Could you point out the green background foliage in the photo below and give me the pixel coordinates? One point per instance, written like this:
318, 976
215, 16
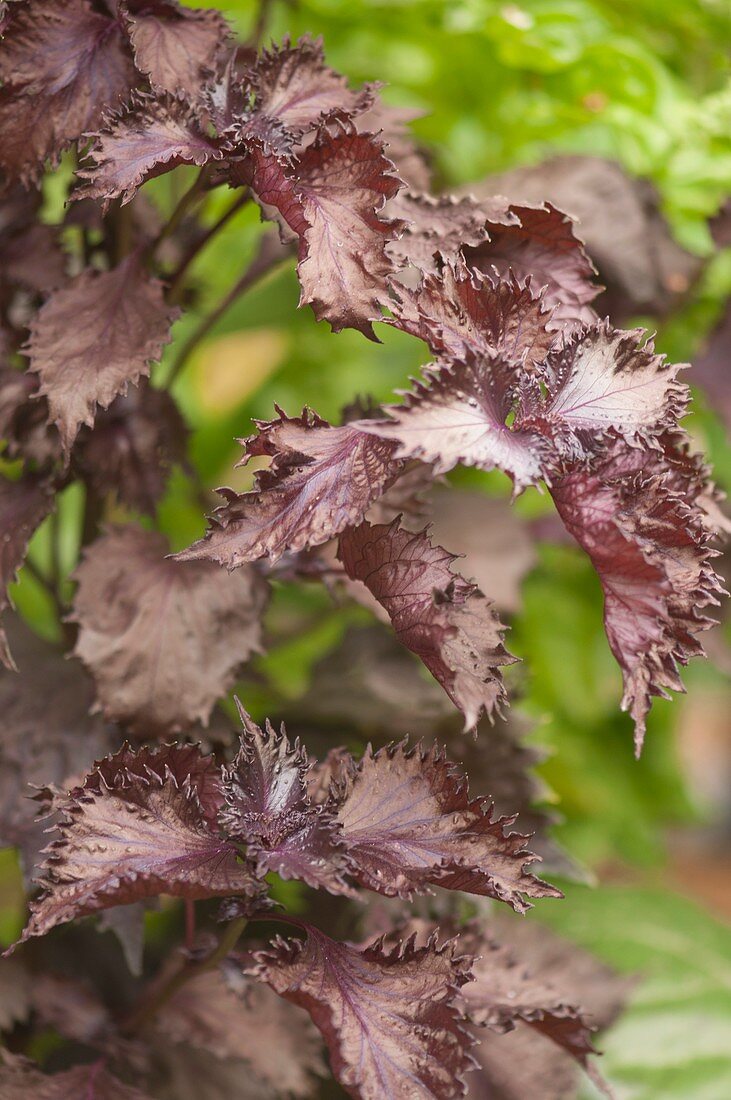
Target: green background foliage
500, 84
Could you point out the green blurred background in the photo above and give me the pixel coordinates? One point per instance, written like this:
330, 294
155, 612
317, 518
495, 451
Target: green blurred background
646, 82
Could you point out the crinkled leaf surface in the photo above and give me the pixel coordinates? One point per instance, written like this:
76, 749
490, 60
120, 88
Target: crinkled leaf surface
47, 737
440, 227
407, 820
331, 199
447, 622
174, 45
603, 379
95, 337
149, 137
162, 639
244, 1021
636, 515
321, 480
293, 89
129, 833
132, 446
386, 1016
62, 66
267, 807
458, 310
544, 246
459, 413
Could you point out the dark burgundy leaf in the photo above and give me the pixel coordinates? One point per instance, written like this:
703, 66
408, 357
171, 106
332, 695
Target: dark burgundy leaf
62, 66
407, 821
620, 220
386, 1016
637, 515
293, 90
459, 413
130, 833
391, 124
441, 227
181, 763
448, 623
605, 379
162, 639
495, 542
20, 1080
459, 311
132, 446
267, 807
321, 480
540, 989
175, 46
150, 137
247, 1023
331, 199
48, 736
94, 338
24, 504
542, 245
30, 253
23, 421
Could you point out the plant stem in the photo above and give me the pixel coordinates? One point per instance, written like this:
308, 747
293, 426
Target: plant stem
177, 279
270, 254
185, 202
149, 1009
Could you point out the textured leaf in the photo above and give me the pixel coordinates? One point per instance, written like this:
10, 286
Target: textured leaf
267, 807
321, 480
93, 338
442, 226
30, 252
496, 544
148, 138
636, 514
448, 623
605, 379
62, 65
48, 736
370, 687
162, 639
130, 833
293, 89
391, 123
176, 47
504, 992
132, 446
407, 821
645, 270
459, 311
459, 413
542, 245
24, 504
386, 1016
20, 1080
265, 1035
331, 199
543, 996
